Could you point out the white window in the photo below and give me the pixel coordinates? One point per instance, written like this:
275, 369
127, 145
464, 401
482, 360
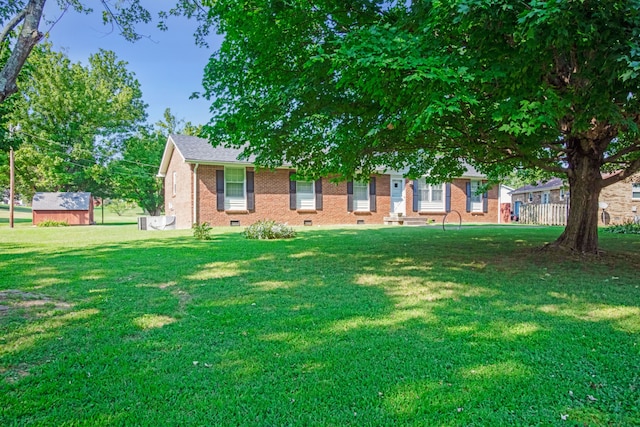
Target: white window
361, 196
545, 198
476, 197
530, 197
305, 195
430, 197
635, 191
562, 193
234, 185
174, 183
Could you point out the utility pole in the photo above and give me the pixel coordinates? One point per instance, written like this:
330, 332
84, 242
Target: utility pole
12, 175
11, 186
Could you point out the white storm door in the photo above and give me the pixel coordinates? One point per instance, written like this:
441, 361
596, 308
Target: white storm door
398, 203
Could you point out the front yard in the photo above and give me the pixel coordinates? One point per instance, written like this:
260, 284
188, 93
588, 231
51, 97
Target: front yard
371, 326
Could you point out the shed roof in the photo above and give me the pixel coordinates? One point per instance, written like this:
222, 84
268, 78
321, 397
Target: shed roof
61, 202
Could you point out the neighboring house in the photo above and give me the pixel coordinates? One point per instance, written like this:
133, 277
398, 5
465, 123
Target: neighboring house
553, 191
72, 208
619, 202
207, 184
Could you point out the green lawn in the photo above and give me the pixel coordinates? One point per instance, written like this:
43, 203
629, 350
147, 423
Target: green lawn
22, 216
361, 326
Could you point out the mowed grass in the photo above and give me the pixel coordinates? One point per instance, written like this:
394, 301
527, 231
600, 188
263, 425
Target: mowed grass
22, 216
108, 325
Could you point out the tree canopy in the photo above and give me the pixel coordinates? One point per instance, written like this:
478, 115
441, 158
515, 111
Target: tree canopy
132, 174
71, 117
346, 87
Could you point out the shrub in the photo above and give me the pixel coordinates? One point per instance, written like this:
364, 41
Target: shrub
119, 206
52, 223
202, 231
628, 227
268, 229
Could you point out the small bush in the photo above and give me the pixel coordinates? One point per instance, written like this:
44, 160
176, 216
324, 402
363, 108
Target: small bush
268, 229
202, 231
629, 227
52, 223
119, 206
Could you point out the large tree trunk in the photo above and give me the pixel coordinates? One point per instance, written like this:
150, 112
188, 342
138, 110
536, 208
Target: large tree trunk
585, 182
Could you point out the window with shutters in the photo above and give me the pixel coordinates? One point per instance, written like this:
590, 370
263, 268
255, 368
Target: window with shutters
361, 196
234, 189
305, 195
430, 197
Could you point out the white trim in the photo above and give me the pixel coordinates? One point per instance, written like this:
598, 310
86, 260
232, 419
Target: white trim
195, 194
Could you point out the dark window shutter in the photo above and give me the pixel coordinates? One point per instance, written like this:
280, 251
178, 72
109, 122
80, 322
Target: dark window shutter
468, 196
447, 200
372, 194
350, 196
416, 195
319, 194
485, 202
292, 191
220, 190
251, 194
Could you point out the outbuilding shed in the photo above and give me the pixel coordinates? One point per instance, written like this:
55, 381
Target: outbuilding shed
72, 208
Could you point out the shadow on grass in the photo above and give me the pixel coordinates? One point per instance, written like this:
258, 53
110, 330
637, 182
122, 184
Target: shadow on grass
386, 326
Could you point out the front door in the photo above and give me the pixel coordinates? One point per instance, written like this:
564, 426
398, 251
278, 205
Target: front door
398, 205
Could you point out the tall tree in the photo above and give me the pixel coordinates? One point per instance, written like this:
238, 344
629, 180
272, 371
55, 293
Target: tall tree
343, 87
133, 172
70, 116
25, 18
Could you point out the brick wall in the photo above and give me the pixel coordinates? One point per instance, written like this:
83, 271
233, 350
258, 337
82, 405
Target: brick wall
555, 196
459, 204
272, 200
620, 203
179, 204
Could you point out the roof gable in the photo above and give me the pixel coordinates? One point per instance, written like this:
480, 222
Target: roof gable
61, 201
199, 150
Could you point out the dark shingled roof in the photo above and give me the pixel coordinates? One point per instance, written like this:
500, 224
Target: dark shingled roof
553, 183
195, 149
61, 201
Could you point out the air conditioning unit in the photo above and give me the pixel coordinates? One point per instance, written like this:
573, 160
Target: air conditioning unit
167, 222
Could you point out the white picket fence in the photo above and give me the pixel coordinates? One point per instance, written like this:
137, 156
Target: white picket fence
549, 214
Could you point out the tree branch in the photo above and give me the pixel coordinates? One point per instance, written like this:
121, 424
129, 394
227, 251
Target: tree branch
29, 37
631, 169
12, 24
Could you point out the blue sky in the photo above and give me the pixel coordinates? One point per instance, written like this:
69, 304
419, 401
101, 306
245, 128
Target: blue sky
168, 64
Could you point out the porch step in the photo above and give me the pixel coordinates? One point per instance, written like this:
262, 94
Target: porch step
405, 220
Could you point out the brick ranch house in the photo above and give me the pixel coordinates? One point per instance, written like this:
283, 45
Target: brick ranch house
207, 184
619, 202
